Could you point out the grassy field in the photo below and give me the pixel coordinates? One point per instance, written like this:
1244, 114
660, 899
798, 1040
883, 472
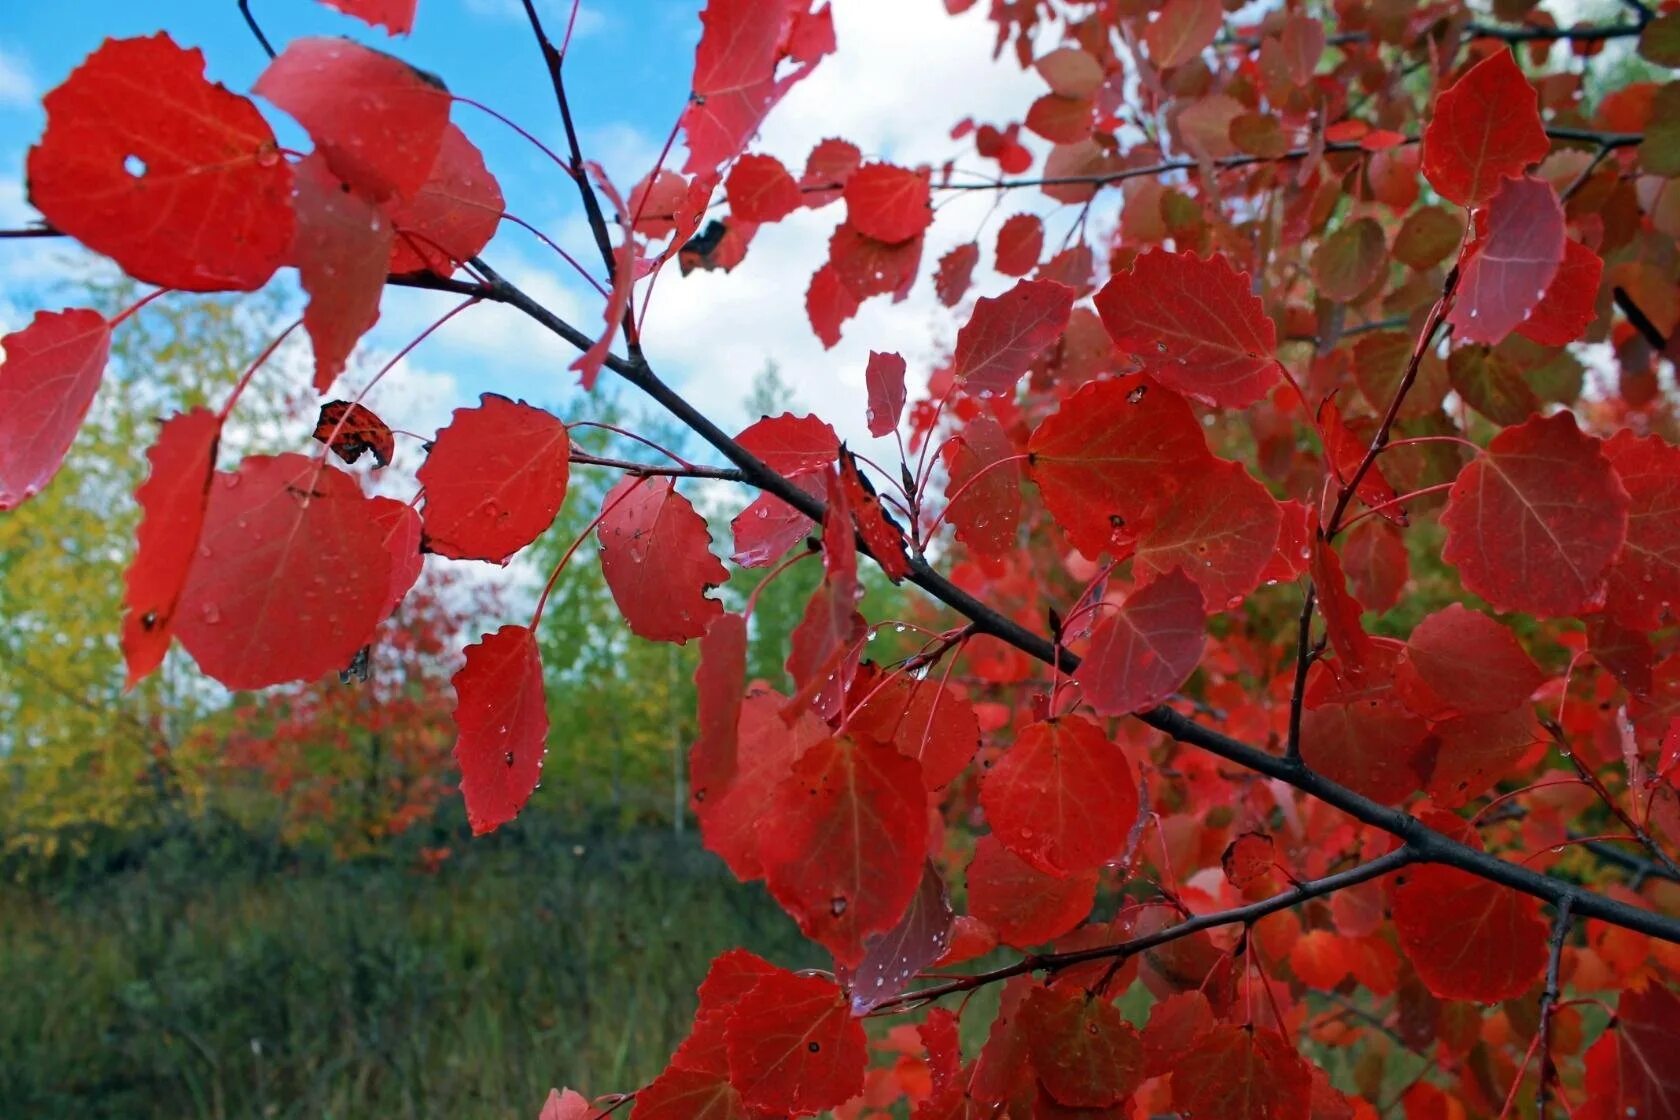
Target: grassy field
365, 989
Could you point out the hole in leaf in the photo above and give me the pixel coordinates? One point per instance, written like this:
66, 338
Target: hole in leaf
134, 165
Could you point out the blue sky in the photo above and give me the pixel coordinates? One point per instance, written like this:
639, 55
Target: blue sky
904, 74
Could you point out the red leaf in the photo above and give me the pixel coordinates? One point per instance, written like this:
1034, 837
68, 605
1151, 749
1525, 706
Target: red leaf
351, 429
569, 1105
377, 121
868, 267
501, 723
342, 251
1645, 578
1341, 611
1005, 333
495, 479
172, 501
791, 445
291, 578
985, 491
1184, 29
1571, 303
1085, 1054
1474, 753
1632, 1069
1176, 1024
656, 556
1511, 266
1371, 745
894, 958
1472, 663
454, 214
396, 16
768, 527
613, 312
1535, 521
924, 719
1222, 528
1194, 324
828, 304
1486, 129
1248, 860
845, 840
52, 370
1142, 653
1063, 797
761, 190
742, 43
884, 379
887, 203
1113, 450
718, 681
766, 750
403, 533
830, 164
1026, 906
177, 180
955, 272
884, 539
1019, 243
1242, 1073
1468, 938
794, 1046
688, 1094
1346, 452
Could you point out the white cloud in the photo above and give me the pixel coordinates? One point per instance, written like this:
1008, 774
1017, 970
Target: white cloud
905, 73
17, 84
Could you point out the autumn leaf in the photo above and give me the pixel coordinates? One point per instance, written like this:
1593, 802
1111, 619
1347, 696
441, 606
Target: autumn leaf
1007, 332
1062, 797
495, 478
1534, 523
377, 122
173, 498
1486, 128
203, 209
292, 574
1141, 653
656, 555
52, 369
1194, 325
501, 723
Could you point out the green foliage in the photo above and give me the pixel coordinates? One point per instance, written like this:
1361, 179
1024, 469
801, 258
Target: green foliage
189, 989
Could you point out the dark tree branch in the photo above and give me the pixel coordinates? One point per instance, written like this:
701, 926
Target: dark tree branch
1303, 662
553, 60
1610, 140
648, 470
1640, 833
1591, 33
1425, 843
256, 29
1253, 912
1641, 322
1548, 1003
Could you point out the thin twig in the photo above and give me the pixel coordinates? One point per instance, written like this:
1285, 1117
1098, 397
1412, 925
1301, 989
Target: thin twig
1548, 1003
648, 470
256, 30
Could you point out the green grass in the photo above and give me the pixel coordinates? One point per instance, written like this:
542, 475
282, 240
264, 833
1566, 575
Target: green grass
366, 989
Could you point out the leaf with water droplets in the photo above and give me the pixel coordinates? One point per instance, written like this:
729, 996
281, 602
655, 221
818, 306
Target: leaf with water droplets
892, 959
175, 178
1195, 325
292, 574
173, 500
377, 121
657, 559
1141, 653
794, 1045
341, 251
501, 721
1062, 797
48, 380
495, 478
844, 842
